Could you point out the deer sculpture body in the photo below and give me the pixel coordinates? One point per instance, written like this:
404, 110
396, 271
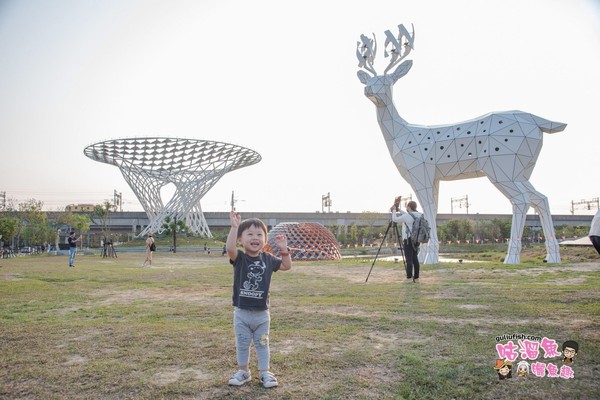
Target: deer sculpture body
502, 146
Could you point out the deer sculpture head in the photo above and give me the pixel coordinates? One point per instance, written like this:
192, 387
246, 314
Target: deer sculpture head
502, 146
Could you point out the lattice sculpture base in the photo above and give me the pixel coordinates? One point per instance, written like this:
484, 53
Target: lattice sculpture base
307, 241
193, 166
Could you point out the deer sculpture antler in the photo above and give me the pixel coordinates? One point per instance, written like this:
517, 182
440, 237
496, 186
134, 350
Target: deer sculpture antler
366, 50
399, 48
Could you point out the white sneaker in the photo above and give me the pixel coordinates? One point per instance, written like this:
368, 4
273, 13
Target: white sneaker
268, 380
240, 377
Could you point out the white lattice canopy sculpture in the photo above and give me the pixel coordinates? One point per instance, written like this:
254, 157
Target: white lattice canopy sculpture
502, 146
192, 166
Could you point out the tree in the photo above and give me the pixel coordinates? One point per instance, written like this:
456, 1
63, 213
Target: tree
504, 225
37, 233
8, 228
63, 218
339, 233
31, 211
367, 222
81, 223
102, 212
568, 231
31, 221
172, 226
488, 230
353, 234
457, 229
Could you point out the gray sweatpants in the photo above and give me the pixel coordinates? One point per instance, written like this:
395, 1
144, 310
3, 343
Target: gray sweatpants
252, 326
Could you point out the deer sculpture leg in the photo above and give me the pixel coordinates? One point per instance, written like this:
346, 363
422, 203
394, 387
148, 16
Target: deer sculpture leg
540, 203
428, 201
519, 198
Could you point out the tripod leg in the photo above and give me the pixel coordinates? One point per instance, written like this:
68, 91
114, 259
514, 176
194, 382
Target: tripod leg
378, 250
401, 245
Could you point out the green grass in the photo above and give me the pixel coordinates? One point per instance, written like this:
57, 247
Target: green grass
108, 329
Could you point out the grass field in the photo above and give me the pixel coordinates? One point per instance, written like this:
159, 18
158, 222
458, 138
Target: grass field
108, 329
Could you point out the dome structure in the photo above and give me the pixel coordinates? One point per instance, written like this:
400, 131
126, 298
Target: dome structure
192, 166
308, 241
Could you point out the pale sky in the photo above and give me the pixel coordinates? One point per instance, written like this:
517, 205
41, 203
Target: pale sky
279, 77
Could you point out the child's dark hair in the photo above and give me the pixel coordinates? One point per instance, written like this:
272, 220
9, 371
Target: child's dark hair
247, 223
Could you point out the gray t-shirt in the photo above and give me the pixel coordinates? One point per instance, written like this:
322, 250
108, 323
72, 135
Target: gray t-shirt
252, 280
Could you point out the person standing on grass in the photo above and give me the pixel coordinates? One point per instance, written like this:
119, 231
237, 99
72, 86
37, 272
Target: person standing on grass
252, 270
411, 250
72, 240
595, 231
150, 247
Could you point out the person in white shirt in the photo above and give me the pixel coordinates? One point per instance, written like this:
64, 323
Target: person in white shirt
410, 251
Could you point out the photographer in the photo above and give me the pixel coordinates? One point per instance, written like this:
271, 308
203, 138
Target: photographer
72, 240
410, 251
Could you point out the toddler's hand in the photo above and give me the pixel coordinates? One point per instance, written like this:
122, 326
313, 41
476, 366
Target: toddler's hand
281, 242
235, 219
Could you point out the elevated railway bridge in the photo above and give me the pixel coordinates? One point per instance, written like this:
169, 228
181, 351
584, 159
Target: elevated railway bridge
134, 222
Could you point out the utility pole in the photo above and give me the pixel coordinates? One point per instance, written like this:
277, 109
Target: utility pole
234, 201
118, 200
595, 202
326, 202
460, 201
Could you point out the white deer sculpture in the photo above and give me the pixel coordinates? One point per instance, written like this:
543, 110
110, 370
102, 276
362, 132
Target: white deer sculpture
502, 146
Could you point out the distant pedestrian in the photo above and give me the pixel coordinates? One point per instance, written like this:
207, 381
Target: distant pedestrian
150, 247
72, 240
595, 231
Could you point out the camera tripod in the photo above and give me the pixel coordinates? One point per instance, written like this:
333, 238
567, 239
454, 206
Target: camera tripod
394, 225
108, 250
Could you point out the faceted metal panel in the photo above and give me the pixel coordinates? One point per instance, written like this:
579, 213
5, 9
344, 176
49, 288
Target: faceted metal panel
502, 146
192, 166
307, 241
